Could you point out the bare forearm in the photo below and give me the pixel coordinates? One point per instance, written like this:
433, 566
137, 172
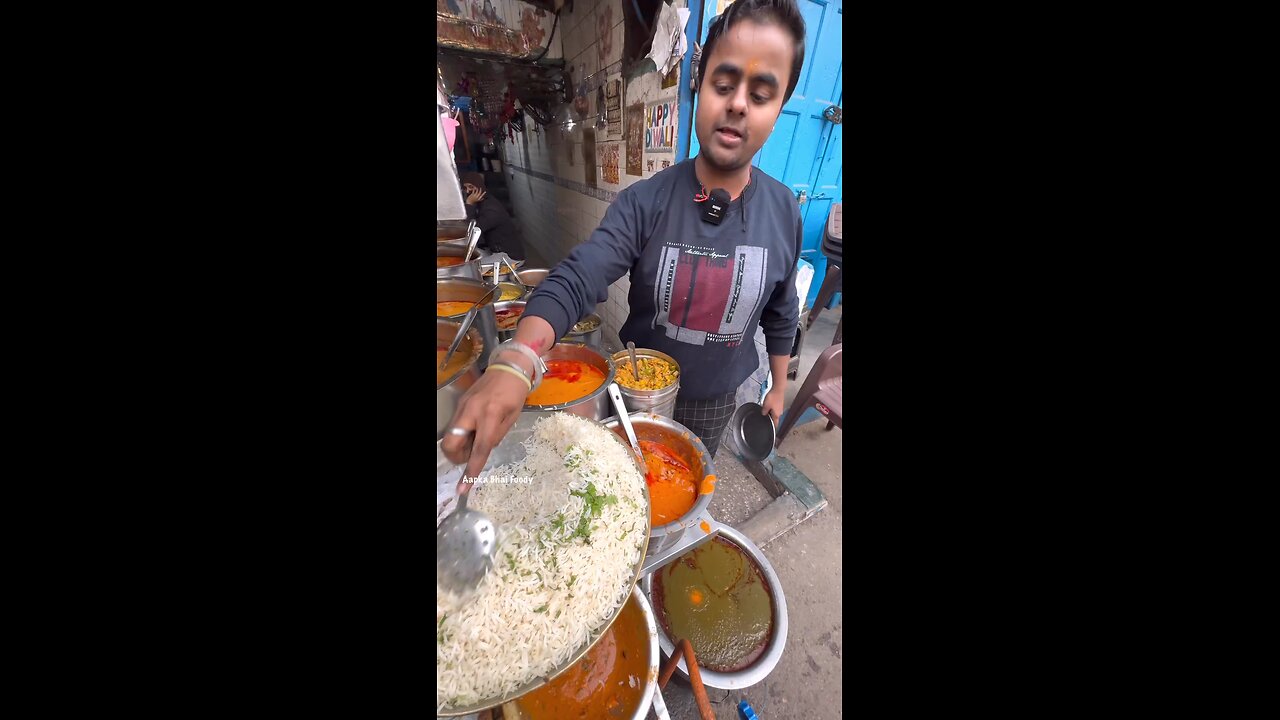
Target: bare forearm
778, 367
537, 334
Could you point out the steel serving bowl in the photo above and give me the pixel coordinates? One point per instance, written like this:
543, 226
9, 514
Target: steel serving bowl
590, 336
532, 276
510, 450
659, 402
451, 390
469, 290
504, 273
504, 335
469, 270
760, 669
594, 405
689, 447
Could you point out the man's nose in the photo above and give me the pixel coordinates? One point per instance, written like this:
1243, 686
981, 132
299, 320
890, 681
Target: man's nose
738, 101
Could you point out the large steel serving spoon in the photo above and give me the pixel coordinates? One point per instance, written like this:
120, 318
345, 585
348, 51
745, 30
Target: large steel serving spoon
466, 543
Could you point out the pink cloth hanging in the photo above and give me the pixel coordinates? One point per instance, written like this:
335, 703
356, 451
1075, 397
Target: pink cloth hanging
450, 130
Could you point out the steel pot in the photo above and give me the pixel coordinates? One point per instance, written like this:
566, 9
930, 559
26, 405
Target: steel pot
596, 404
689, 448
659, 402
458, 288
504, 273
505, 335
452, 232
763, 665
590, 336
514, 711
449, 390
532, 276
469, 270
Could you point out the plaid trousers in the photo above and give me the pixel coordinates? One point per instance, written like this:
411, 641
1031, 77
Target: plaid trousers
706, 418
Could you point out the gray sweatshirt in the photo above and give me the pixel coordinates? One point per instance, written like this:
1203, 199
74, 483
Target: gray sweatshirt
698, 290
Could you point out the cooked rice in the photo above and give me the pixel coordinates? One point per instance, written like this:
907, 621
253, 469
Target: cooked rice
550, 591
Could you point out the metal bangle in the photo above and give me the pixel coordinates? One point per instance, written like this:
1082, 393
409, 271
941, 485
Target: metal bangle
539, 367
513, 369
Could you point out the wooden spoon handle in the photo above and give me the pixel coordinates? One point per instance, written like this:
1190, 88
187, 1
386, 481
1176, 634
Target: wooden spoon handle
685, 649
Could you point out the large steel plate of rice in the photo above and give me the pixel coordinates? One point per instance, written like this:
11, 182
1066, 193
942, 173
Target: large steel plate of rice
572, 511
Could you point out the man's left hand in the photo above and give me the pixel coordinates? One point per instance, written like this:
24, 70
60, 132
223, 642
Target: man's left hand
773, 403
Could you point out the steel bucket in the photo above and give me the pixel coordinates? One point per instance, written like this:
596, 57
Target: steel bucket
659, 402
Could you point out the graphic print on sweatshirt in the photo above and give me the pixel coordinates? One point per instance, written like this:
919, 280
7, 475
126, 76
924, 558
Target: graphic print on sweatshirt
703, 296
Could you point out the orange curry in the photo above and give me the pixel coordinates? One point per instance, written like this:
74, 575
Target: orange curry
455, 363
448, 261
449, 308
601, 684
566, 381
672, 488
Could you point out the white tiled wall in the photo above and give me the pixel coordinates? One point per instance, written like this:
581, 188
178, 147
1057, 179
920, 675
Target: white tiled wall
556, 219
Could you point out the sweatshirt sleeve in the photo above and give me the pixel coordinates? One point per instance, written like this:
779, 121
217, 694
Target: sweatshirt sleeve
581, 281
782, 312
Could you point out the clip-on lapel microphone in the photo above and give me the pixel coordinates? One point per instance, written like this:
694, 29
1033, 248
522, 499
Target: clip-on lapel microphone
717, 204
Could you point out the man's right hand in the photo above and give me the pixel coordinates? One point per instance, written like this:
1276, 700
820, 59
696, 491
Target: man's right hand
489, 409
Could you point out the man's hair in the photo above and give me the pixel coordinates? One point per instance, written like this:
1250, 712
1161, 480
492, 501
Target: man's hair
473, 178
765, 12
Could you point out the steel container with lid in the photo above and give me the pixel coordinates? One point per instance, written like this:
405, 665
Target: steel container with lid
659, 402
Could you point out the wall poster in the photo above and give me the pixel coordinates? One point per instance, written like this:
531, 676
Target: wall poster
609, 161
613, 107
635, 138
660, 127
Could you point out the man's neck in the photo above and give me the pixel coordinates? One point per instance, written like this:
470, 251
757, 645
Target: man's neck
733, 182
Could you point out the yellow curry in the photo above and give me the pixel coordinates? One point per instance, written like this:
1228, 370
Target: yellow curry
655, 374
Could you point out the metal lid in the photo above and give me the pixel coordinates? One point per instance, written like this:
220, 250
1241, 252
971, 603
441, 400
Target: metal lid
753, 431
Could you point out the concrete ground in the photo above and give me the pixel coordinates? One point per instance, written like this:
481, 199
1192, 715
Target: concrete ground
809, 562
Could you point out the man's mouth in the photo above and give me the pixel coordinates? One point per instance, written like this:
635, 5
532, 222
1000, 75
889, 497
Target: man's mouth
729, 136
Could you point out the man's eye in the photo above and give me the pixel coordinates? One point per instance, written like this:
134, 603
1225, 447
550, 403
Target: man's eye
759, 98
722, 89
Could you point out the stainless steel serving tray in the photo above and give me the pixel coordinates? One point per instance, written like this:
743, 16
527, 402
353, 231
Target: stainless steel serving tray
510, 450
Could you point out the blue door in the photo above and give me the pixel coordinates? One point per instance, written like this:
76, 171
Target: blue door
804, 150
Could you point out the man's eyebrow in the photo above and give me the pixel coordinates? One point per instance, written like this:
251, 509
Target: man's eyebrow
727, 69
736, 73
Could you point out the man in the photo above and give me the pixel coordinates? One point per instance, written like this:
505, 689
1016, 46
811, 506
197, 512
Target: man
498, 230
699, 287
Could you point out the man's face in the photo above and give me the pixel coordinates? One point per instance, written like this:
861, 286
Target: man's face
741, 96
